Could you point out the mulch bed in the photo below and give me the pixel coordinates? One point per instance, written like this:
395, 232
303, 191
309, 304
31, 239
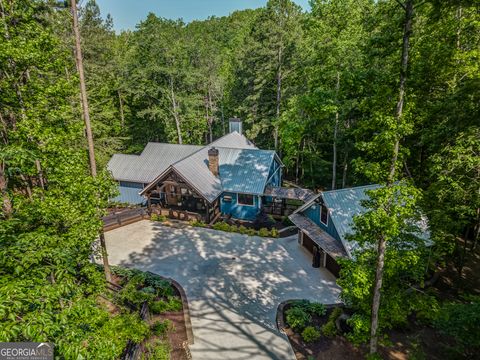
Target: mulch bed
177, 337
403, 344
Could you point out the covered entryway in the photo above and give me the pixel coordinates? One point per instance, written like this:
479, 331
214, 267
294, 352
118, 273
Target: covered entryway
174, 197
323, 247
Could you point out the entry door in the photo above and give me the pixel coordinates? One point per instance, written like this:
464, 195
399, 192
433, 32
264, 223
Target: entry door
171, 193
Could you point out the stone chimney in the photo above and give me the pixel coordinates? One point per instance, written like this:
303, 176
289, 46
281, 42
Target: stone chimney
235, 124
213, 160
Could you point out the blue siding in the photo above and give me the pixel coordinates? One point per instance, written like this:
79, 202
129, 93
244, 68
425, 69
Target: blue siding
276, 179
129, 193
242, 212
313, 213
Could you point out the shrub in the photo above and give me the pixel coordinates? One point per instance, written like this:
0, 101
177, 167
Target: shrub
162, 306
156, 217
275, 233
264, 232
198, 223
462, 323
158, 307
242, 230
130, 294
160, 328
162, 287
223, 226
361, 329
159, 350
297, 318
310, 334
174, 304
251, 232
317, 309
330, 328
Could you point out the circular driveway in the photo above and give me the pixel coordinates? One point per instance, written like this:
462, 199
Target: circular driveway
233, 283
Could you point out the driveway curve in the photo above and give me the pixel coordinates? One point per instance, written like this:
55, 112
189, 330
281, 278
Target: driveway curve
233, 283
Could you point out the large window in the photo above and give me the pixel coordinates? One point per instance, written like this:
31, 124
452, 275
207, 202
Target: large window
245, 199
324, 215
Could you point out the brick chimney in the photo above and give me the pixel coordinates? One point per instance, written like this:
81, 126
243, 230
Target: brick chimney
213, 160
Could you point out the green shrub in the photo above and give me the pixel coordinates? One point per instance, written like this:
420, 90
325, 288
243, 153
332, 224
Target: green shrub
317, 309
160, 218
174, 304
251, 232
297, 318
461, 322
361, 329
130, 294
264, 232
158, 307
310, 334
274, 233
162, 306
222, 226
160, 327
159, 350
330, 328
242, 230
198, 223
162, 287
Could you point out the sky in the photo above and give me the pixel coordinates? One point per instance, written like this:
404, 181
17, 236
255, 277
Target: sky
127, 13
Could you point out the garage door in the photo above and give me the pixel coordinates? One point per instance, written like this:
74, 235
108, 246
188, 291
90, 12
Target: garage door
332, 266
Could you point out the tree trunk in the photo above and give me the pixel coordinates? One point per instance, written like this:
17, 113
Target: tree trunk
175, 112
345, 170
408, 7
6, 202
279, 97
122, 115
335, 133
88, 128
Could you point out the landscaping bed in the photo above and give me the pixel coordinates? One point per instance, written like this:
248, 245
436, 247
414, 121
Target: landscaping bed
313, 334
160, 306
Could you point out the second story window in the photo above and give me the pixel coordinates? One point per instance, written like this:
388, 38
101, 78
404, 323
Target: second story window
324, 215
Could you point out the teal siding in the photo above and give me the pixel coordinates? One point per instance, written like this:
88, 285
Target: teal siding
313, 213
242, 212
129, 193
276, 179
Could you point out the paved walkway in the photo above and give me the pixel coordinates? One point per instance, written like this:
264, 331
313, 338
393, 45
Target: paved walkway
233, 282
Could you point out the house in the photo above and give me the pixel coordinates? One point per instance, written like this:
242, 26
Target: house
325, 220
230, 176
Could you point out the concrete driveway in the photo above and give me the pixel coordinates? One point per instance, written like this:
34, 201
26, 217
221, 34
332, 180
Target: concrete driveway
233, 282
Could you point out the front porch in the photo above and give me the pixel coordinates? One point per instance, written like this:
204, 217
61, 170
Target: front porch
176, 199
281, 201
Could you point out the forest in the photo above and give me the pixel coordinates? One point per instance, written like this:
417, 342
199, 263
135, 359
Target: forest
351, 92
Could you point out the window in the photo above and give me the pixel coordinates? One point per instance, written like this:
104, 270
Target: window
227, 198
324, 215
245, 199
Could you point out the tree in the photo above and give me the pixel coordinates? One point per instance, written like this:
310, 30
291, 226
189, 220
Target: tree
88, 128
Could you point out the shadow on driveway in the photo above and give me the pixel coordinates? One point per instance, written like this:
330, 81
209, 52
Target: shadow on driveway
233, 282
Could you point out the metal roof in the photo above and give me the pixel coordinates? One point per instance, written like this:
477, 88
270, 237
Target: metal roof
153, 160
240, 171
243, 168
327, 242
233, 140
343, 205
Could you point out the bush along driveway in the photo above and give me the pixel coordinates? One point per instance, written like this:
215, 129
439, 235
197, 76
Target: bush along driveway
233, 282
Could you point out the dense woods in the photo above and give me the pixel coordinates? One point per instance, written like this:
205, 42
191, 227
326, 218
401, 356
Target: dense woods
351, 92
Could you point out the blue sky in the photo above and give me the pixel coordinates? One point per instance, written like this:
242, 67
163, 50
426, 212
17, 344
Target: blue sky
127, 13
